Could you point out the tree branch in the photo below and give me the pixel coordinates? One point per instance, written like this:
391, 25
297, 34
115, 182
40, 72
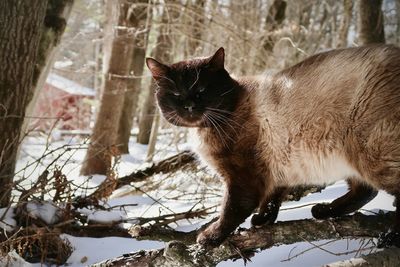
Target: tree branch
177, 253
167, 165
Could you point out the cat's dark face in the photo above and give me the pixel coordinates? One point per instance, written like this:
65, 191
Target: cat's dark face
194, 93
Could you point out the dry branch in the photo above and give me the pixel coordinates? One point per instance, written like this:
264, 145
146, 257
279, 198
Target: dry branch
176, 253
95, 230
167, 165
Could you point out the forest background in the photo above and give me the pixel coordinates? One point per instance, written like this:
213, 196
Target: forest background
85, 153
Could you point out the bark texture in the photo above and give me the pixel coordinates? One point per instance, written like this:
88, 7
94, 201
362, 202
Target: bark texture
153, 136
242, 243
142, 14
370, 22
58, 11
197, 27
103, 143
397, 3
161, 52
20, 34
345, 23
275, 17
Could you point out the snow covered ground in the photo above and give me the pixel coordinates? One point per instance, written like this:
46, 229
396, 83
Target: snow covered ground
171, 195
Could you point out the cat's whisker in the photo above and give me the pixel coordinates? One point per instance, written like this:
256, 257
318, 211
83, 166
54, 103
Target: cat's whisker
222, 120
220, 127
227, 92
176, 119
172, 116
215, 126
197, 78
237, 120
226, 118
207, 123
219, 110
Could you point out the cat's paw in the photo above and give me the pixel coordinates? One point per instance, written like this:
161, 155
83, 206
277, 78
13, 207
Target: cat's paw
389, 239
268, 216
212, 236
263, 218
322, 211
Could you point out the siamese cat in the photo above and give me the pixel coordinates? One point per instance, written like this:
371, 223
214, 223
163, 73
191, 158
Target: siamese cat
333, 116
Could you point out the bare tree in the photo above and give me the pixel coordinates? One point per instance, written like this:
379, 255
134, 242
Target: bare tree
193, 44
41, 22
397, 2
345, 23
370, 22
55, 22
162, 51
275, 17
103, 140
141, 24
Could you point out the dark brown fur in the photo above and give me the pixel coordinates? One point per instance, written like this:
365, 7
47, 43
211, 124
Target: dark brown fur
333, 116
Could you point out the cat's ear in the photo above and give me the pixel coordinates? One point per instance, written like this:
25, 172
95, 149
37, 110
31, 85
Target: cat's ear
156, 68
217, 60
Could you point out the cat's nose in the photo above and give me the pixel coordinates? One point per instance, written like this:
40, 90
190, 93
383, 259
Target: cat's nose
189, 106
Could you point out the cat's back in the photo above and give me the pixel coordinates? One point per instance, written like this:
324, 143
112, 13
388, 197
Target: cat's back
337, 61
340, 83
341, 104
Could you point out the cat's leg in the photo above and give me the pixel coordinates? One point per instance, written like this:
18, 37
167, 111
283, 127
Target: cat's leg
269, 208
239, 202
359, 194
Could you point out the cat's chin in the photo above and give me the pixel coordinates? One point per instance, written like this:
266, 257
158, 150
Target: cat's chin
192, 124
188, 123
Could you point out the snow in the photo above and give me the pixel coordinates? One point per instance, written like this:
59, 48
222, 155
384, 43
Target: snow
169, 195
69, 86
304, 254
102, 216
13, 259
310, 253
91, 250
7, 221
48, 212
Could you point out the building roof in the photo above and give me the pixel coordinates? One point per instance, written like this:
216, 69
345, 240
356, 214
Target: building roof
69, 86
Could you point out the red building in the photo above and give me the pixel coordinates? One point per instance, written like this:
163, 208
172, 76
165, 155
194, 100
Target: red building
63, 104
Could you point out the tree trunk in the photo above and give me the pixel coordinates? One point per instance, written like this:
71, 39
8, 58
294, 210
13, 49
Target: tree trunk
146, 118
370, 22
398, 20
196, 27
153, 136
345, 23
143, 15
162, 53
275, 17
58, 11
20, 32
103, 140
